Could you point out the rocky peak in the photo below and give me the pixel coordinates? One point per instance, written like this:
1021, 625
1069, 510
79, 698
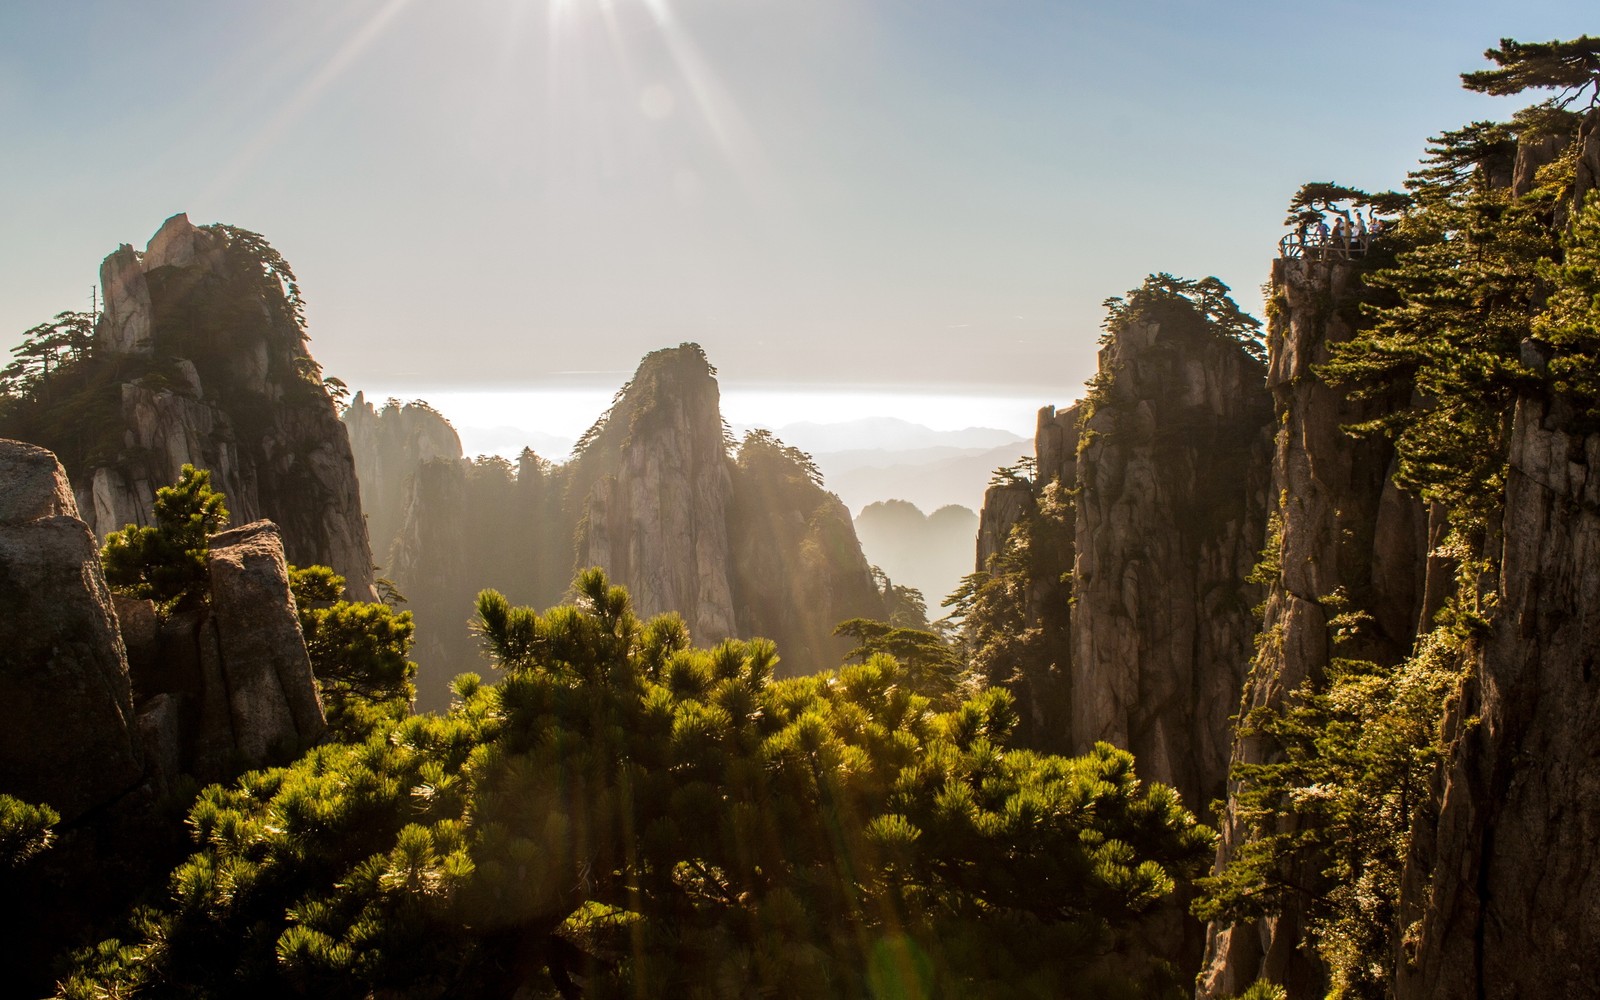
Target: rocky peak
203, 349
655, 475
1171, 504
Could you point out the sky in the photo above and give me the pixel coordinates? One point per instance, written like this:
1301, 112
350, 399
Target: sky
897, 199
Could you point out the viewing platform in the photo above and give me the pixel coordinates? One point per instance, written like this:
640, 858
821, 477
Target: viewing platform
1312, 246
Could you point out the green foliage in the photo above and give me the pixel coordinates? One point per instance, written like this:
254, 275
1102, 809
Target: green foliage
46, 349
1316, 199
933, 668
1263, 990
1013, 615
1163, 295
274, 279
166, 562
1461, 299
626, 813
1569, 68
1570, 322
762, 447
25, 831
1358, 756
358, 653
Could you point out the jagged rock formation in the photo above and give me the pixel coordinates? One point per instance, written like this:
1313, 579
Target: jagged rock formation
657, 489
1343, 537
388, 445
200, 358
739, 546
1165, 521
71, 739
226, 686
1502, 894
107, 684
1170, 513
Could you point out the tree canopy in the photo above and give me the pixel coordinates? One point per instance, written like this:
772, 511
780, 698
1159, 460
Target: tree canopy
623, 812
166, 561
1567, 67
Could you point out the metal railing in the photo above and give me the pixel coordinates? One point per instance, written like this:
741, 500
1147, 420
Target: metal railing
1314, 246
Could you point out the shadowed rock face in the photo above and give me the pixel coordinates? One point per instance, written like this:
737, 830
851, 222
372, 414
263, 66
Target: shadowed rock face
1170, 512
656, 519
1345, 538
1502, 893
1165, 522
70, 739
272, 697
232, 389
228, 686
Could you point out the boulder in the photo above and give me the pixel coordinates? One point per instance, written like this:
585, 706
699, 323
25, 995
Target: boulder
70, 740
272, 697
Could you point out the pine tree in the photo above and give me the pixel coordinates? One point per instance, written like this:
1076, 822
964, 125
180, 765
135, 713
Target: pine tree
166, 562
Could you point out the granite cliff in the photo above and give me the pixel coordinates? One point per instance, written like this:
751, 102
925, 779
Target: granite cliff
199, 357
1342, 537
1129, 548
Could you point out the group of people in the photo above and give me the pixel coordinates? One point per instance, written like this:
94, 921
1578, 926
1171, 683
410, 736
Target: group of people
1351, 234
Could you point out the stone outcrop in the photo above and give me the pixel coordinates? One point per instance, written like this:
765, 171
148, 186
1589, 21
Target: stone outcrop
1004, 504
226, 686
1502, 895
71, 738
388, 445
218, 377
1159, 509
272, 697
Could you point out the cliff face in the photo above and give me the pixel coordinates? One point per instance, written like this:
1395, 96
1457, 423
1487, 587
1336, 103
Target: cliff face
1129, 552
71, 740
657, 493
223, 382
1502, 894
1171, 508
1343, 538
387, 445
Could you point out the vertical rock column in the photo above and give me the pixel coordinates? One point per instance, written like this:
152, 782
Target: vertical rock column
1502, 894
1170, 511
1344, 539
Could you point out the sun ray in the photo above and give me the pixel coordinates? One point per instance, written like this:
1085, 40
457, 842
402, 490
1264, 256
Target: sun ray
303, 98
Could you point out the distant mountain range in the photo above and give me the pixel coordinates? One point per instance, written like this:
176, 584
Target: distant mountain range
886, 433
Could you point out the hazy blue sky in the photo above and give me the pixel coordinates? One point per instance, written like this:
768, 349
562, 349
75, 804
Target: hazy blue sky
873, 193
